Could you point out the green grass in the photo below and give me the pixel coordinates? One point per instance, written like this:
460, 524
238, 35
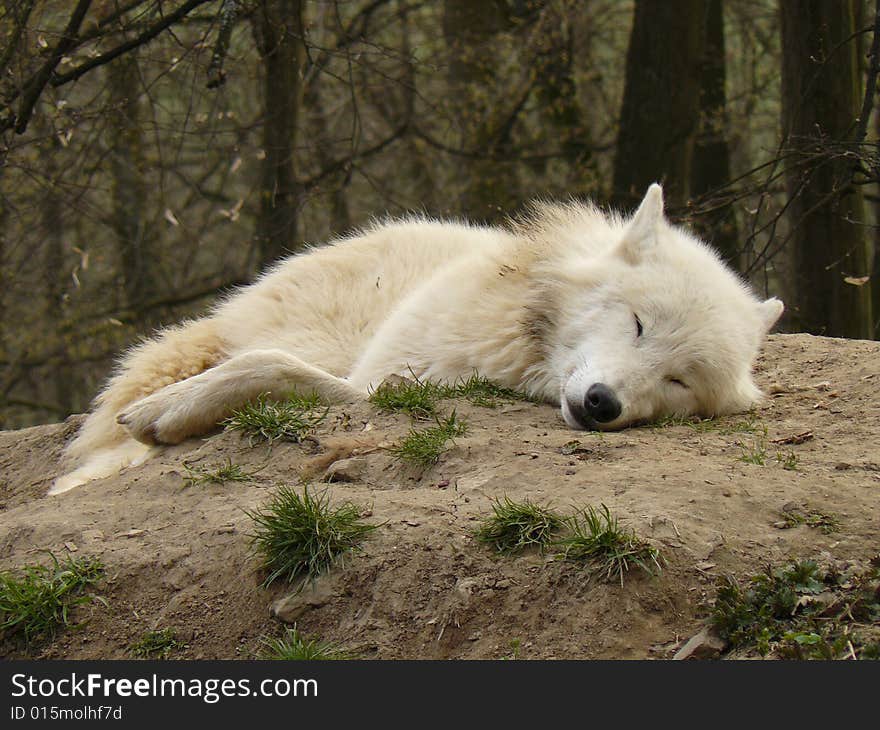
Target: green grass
515, 646
269, 420
483, 392
754, 451
302, 535
416, 397
599, 542
723, 426
157, 644
227, 472
802, 611
37, 600
293, 646
789, 461
423, 447
419, 398
514, 526
826, 523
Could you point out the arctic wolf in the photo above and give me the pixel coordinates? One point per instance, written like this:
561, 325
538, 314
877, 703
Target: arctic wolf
617, 321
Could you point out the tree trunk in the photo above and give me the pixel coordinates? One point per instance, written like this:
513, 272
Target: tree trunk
661, 101
469, 28
127, 169
821, 98
564, 121
875, 267
278, 25
710, 169
53, 271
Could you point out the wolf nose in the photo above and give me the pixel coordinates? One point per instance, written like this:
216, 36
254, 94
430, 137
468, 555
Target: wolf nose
601, 403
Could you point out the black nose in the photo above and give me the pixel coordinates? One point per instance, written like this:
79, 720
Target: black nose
601, 403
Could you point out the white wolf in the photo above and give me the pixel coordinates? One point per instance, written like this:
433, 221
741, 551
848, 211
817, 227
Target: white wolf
617, 321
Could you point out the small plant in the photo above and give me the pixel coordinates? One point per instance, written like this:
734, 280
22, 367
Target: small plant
749, 424
293, 646
514, 526
228, 472
157, 644
693, 422
483, 392
515, 645
37, 600
762, 612
707, 425
598, 541
788, 461
302, 535
419, 397
795, 516
755, 452
269, 420
416, 397
424, 447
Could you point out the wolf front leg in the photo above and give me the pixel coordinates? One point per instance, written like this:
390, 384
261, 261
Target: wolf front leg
199, 403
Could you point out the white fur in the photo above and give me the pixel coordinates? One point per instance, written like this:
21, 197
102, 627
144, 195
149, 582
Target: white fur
546, 305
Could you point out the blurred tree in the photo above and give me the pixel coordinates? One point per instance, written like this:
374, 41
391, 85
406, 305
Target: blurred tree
710, 166
660, 115
470, 29
155, 152
821, 103
278, 27
566, 123
128, 189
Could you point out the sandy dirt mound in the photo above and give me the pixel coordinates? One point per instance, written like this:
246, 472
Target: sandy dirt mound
179, 556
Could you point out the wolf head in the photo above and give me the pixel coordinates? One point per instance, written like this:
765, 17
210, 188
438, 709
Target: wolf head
651, 323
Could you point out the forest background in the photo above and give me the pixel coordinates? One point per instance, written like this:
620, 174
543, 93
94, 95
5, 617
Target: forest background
157, 153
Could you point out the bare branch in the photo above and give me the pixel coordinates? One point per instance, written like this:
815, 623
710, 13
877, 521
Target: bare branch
228, 14
35, 85
145, 37
22, 14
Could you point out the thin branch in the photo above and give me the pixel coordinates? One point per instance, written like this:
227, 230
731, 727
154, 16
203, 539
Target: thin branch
228, 14
346, 162
145, 37
35, 85
21, 18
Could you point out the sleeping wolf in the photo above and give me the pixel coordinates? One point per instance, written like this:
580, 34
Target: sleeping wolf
615, 320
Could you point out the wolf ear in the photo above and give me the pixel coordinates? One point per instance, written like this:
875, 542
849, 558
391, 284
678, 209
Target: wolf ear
770, 310
641, 233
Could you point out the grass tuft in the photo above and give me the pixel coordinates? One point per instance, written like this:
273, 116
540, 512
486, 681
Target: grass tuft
795, 516
270, 420
515, 526
293, 646
227, 472
158, 644
37, 600
789, 461
483, 392
724, 426
754, 451
302, 535
424, 447
418, 398
598, 540
801, 611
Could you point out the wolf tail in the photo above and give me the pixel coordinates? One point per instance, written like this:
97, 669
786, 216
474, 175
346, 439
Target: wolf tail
103, 447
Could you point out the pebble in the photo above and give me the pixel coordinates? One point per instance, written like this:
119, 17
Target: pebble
704, 645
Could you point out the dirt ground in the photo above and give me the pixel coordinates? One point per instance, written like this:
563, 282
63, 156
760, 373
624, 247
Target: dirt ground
179, 556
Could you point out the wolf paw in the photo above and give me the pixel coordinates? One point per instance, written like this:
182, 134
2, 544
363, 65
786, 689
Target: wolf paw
156, 419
